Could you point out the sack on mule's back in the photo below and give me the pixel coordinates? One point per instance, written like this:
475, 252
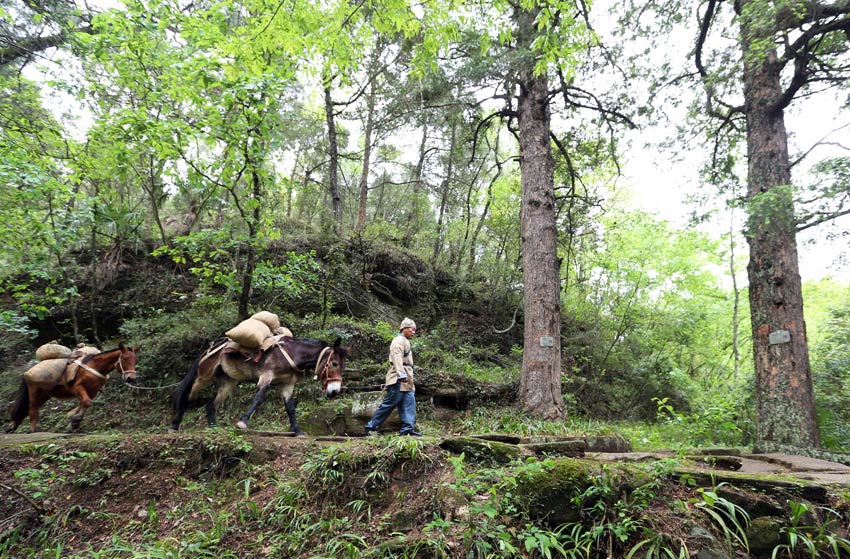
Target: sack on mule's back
270, 319
79, 354
249, 333
52, 350
282, 331
82, 351
47, 373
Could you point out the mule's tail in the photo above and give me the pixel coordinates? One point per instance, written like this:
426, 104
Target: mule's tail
21, 406
180, 400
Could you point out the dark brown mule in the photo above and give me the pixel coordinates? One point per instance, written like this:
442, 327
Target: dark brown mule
90, 378
282, 364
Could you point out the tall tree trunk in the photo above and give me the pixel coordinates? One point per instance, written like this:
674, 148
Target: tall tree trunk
333, 159
444, 197
253, 228
785, 407
367, 154
540, 382
413, 218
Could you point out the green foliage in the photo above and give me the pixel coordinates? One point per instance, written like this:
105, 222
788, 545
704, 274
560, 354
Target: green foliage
729, 518
811, 540
830, 357
714, 426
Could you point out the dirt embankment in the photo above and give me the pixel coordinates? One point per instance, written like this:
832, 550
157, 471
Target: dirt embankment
224, 493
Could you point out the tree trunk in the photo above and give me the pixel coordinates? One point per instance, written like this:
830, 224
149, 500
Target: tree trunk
444, 197
785, 407
253, 228
333, 159
540, 383
367, 154
413, 218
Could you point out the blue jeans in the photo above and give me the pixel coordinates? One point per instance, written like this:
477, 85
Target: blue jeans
405, 401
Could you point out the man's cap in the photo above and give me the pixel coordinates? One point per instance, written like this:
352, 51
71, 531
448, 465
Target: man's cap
407, 323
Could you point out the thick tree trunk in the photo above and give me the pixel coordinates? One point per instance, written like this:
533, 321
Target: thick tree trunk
540, 383
333, 159
785, 407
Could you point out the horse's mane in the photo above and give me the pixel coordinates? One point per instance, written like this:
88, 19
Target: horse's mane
87, 358
311, 341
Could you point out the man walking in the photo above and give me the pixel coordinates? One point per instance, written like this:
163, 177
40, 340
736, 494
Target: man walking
401, 392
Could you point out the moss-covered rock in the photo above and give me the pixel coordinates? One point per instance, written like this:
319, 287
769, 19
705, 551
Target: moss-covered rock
549, 493
331, 418
482, 450
572, 448
764, 534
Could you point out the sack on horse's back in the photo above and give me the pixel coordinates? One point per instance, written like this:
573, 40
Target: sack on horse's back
80, 352
270, 319
249, 333
52, 350
47, 373
282, 331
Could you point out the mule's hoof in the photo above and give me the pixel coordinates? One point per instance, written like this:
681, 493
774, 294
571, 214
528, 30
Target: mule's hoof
242, 425
300, 434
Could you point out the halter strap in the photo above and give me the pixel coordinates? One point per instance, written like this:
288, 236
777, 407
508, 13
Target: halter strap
124, 372
79, 363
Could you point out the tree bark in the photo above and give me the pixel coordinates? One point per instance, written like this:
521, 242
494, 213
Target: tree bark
333, 159
540, 383
413, 218
253, 228
444, 197
367, 155
785, 407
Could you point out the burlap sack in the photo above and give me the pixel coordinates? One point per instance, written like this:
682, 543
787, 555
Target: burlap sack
47, 373
52, 350
270, 319
282, 331
249, 333
82, 351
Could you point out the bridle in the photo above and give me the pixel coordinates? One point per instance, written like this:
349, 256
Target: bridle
323, 368
125, 373
119, 365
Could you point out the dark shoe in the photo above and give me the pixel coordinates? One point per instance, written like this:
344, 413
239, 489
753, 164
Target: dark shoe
370, 433
412, 433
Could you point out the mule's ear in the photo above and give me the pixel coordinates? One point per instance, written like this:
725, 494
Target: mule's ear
122, 347
137, 348
337, 342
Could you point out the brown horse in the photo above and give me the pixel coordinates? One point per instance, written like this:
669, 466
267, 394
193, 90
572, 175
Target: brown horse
90, 378
282, 364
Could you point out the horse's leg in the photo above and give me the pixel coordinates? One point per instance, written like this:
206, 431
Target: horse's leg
20, 408
37, 399
260, 397
225, 388
289, 403
79, 390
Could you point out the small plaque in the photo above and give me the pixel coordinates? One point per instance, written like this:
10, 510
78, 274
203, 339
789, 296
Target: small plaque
547, 341
779, 337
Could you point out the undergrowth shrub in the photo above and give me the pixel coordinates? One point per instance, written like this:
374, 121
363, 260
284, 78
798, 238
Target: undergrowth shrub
171, 342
